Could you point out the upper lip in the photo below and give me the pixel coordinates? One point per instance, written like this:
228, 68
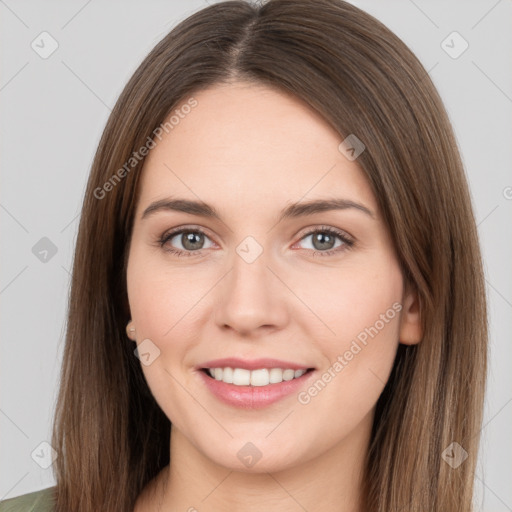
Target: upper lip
252, 364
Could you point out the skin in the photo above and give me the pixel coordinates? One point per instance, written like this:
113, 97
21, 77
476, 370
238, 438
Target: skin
249, 151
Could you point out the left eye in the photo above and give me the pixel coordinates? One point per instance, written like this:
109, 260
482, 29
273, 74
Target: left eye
324, 240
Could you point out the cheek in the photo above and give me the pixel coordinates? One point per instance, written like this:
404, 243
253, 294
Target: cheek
158, 305
158, 298
353, 299
362, 311
166, 309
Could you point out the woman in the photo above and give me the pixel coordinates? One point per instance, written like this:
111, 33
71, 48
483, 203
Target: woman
277, 300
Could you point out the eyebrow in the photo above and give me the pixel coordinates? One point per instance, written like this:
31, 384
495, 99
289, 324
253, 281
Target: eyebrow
295, 210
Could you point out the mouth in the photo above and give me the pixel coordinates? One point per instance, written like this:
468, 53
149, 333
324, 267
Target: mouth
254, 378
254, 389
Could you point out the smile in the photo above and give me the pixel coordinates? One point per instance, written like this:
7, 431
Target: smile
252, 389
259, 377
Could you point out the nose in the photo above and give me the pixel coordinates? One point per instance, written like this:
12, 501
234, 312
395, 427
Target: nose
251, 298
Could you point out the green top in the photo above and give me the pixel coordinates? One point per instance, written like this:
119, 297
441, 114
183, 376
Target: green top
39, 501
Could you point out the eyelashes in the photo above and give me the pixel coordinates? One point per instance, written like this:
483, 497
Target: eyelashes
166, 237
347, 242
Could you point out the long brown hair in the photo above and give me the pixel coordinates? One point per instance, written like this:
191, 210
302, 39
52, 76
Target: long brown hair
109, 432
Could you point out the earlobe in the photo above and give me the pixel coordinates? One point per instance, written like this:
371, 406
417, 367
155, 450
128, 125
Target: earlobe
130, 331
411, 331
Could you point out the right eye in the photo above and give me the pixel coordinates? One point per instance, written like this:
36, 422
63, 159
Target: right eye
189, 241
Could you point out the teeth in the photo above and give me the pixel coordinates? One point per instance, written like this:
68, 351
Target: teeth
261, 377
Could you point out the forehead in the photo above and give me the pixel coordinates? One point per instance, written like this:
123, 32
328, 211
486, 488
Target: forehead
251, 147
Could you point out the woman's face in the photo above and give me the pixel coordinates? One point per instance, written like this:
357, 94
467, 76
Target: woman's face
318, 288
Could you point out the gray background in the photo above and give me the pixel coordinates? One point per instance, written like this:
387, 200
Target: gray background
53, 113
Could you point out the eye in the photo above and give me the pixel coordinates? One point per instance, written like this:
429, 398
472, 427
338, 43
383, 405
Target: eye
187, 240
324, 240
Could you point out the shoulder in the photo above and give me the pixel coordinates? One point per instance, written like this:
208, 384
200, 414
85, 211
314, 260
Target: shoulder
38, 501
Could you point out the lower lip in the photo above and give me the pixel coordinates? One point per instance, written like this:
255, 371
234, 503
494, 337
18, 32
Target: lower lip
253, 397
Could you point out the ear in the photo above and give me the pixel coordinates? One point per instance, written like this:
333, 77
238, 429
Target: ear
130, 331
411, 331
